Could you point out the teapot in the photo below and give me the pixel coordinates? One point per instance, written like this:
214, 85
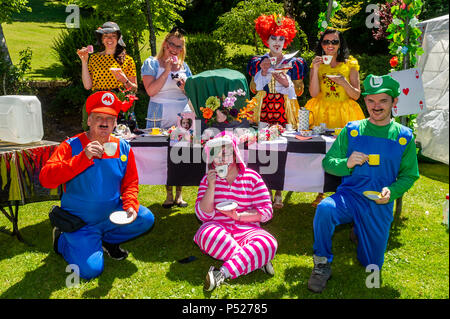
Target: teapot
304, 118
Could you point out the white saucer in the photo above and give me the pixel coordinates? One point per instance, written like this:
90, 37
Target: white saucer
226, 206
120, 217
332, 76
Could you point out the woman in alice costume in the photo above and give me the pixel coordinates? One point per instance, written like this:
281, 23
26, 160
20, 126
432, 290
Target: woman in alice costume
277, 79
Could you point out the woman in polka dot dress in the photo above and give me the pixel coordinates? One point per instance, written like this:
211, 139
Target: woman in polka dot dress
112, 68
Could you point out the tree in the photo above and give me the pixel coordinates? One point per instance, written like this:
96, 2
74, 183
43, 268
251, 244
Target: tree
238, 25
7, 8
134, 17
342, 19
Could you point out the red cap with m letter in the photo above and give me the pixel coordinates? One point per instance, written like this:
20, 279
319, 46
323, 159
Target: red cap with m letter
108, 103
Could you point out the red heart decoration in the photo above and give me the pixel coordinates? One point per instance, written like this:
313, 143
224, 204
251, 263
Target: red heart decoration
417, 74
406, 91
421, 105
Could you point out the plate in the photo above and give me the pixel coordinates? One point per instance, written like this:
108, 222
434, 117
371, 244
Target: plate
372, 195
120, 217
227, 206
289, 133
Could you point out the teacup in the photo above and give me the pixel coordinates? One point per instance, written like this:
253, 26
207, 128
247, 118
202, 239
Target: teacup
337, 131
156, 131
317, 129
288, 127
327, 59
305, 132
374, 159
110, 148
273, 60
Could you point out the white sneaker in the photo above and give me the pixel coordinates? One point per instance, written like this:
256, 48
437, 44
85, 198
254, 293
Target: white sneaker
214, 278
268, 268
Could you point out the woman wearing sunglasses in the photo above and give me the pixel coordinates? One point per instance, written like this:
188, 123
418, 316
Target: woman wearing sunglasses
334, 85
164, 77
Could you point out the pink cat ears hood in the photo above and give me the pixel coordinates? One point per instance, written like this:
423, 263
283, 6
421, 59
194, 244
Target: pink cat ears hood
224, 138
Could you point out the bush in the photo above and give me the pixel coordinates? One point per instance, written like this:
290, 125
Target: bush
12, 77
205, 53
69, 41
372, 64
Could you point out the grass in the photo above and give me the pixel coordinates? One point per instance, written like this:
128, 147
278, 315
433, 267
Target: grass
416, 264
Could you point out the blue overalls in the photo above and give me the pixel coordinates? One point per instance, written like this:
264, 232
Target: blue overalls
372, 221
93, 195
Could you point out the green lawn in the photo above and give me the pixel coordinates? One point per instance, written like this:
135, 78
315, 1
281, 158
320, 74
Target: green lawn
416, 265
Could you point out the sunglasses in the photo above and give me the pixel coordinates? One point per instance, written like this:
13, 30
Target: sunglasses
333, 42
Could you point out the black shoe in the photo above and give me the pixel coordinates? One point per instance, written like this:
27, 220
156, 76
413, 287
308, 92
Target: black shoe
56, 233
320, 274
114, 251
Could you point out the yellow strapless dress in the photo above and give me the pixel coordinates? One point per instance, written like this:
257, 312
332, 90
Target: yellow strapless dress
333, 106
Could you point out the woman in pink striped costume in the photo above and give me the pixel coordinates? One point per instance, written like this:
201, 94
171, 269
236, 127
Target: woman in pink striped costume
233, 235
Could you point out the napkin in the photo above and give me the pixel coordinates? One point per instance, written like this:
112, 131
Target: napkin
303, 138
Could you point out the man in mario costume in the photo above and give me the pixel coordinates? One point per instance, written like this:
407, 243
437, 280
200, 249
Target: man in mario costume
377, 160
97, 180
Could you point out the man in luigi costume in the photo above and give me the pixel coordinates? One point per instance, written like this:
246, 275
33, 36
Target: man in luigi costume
374, 154
95, 184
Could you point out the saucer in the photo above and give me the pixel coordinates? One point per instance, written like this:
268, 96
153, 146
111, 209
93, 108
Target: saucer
120, 218
372, 195
227, 206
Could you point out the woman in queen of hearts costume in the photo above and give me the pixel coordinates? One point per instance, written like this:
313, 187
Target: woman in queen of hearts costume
277, 79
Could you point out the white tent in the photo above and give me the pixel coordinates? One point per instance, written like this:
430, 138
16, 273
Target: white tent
433, 125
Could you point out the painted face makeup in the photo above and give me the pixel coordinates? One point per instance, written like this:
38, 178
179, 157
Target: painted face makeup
276, 44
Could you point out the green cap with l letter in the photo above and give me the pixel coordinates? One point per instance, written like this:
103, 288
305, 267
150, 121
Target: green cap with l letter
374, 84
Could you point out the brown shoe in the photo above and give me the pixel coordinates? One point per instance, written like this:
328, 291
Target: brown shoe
318, 199
320, 275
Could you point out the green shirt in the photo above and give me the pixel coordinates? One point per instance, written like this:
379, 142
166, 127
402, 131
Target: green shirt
335, 161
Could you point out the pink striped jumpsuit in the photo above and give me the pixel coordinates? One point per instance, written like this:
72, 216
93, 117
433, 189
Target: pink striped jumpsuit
244, 246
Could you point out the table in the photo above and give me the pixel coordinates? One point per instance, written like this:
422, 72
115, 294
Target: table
290, 165
20, 165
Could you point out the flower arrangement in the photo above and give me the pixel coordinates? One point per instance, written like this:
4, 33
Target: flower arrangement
271, 133
222, 110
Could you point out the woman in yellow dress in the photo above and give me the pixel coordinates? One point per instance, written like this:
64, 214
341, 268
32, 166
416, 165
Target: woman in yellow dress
334, 85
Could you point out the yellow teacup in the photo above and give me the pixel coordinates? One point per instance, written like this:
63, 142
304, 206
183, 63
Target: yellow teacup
374, 159
337, 131
156, 131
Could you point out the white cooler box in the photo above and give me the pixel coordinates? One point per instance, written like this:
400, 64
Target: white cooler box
20, 119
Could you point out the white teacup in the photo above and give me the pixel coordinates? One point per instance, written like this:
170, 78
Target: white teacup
110, 148
288, 127
327, 59
222, 171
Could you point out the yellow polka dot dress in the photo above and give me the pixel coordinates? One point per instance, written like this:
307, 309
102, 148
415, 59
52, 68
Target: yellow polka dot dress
102, 77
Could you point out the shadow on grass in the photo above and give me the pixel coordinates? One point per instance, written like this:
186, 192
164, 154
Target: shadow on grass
52, 71
435, 171
347, 281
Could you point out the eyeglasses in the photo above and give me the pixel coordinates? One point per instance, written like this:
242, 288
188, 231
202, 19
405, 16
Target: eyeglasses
333, 42
178, 29
174, 46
